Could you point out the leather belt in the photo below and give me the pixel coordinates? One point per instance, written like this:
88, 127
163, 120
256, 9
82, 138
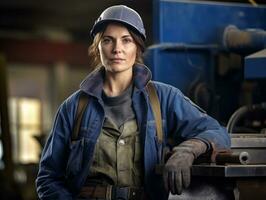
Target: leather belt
110, 192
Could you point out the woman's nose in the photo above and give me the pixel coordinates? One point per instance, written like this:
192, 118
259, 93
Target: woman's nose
117, 47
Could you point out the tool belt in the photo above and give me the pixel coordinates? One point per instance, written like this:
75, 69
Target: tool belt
111, 192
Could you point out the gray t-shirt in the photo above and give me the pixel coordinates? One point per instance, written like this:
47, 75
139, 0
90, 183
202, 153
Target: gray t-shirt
119, 109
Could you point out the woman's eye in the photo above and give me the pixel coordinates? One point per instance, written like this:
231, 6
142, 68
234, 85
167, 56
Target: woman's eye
127, 40
106, 40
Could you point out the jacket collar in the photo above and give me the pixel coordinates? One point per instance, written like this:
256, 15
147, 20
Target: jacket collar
93, 83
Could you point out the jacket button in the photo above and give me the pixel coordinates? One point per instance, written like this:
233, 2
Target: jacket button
121, 142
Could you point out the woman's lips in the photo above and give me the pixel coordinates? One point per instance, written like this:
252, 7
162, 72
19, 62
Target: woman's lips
117, 60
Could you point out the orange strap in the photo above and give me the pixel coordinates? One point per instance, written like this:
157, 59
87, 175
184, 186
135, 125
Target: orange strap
82, 104
156, 109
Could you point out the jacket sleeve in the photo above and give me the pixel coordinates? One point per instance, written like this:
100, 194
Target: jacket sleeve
186, 120
50, 180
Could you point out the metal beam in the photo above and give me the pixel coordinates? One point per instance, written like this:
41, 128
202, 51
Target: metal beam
4, 119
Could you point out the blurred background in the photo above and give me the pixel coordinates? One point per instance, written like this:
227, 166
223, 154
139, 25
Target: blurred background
214, 51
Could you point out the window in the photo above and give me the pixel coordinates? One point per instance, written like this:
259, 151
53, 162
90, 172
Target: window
25, 123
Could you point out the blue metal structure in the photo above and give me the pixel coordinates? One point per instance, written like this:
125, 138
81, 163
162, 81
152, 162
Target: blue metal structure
199, 22
255, 65
188, 35
180, 64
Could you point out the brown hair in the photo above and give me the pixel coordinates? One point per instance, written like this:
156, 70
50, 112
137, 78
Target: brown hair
94, 54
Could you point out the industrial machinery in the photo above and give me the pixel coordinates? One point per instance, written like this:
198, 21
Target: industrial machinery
215, 54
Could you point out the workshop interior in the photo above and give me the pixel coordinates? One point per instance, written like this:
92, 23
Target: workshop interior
213, 51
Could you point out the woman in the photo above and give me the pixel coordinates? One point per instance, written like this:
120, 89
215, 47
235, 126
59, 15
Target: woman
117, 147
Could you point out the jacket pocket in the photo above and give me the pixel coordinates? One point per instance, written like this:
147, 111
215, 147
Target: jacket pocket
75, 157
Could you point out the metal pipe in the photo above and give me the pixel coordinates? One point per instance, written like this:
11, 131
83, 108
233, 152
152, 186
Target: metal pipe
244, 41
233, 157
239, 113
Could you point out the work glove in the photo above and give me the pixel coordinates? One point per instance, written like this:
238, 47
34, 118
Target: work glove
176, 173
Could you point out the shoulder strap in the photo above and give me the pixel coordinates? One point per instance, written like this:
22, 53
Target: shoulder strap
156, 109
82, 104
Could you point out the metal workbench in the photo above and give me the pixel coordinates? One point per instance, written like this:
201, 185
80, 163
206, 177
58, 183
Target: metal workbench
225, 182
231, 181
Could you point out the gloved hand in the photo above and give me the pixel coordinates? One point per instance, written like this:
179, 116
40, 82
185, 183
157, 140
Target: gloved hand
176, 173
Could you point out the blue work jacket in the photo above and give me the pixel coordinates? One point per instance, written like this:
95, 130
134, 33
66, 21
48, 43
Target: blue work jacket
64, 165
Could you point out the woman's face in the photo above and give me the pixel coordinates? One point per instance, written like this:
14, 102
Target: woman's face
117, 49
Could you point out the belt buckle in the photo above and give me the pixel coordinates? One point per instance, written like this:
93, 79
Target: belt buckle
120, 193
